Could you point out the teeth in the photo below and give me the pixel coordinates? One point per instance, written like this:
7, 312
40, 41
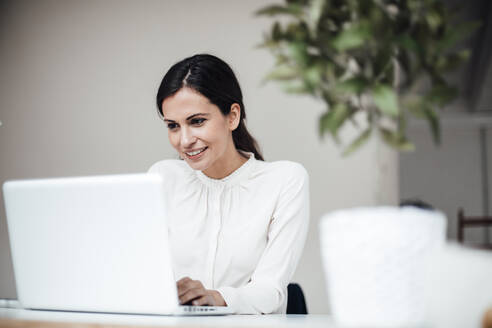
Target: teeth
193, 153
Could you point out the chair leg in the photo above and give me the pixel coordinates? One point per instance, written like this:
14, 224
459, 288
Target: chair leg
460, 225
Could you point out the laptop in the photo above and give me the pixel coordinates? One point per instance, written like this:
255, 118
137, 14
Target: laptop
94, 244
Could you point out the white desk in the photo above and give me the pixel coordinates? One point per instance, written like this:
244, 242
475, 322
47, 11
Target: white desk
53, 319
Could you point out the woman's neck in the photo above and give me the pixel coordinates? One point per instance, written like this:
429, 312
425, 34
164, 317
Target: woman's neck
225, 166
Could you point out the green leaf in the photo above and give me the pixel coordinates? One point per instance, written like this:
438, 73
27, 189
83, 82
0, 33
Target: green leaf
383, 63
358, 142
396, 140
282, 72
324, 122
315, 11
434, 124
273, 10
455, 34
354, 85
352, 37
441, 95
297, 32
386, 99
312, 75
297, 51
446, 63
415, 5
434, 20
464, 54
295, 87
407, 42
332, 120
276, 32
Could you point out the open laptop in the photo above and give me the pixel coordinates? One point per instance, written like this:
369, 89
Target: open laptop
94, 244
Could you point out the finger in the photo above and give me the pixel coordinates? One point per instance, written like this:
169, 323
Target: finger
184, 285
183, 281
204, 300
189, 285
191, 295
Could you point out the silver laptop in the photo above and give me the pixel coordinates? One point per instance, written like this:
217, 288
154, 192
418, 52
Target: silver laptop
93, 244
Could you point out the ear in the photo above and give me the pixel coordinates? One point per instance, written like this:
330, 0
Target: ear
234, 116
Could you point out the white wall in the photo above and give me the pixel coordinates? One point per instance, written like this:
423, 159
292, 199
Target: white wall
77, 95
449, 176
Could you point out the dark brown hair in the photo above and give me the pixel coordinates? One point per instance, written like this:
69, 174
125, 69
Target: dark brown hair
215, 80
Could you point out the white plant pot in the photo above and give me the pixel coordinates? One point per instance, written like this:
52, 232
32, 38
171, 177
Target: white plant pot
375, 259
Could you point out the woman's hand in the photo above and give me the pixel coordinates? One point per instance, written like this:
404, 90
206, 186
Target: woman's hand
193, 291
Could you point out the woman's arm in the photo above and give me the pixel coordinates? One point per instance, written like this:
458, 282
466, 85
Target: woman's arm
266, 291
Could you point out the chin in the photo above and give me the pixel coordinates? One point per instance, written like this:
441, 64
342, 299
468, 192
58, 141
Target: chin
197, 166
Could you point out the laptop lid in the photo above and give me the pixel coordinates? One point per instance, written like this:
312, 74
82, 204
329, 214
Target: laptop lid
91, 244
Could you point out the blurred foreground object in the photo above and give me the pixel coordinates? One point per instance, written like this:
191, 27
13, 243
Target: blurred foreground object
487, 319
459, 287
386, 59
375, 263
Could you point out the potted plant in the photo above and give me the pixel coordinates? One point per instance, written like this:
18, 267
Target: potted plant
386, 59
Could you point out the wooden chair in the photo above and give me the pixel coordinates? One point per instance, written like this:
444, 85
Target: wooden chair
472, 221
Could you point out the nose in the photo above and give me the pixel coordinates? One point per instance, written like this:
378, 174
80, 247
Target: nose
187, 138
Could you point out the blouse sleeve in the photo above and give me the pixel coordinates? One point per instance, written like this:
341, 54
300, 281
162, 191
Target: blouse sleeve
266, 291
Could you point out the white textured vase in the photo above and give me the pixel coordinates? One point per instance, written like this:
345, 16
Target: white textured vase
375, 260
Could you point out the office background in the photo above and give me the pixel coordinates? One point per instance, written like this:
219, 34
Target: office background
78, 82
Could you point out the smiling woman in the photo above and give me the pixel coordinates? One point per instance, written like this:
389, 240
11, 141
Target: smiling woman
237, 224
201, 133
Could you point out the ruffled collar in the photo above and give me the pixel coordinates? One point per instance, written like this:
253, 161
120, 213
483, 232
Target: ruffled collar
240, 174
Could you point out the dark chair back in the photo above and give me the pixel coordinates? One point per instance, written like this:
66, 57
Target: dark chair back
296, 304
473, 221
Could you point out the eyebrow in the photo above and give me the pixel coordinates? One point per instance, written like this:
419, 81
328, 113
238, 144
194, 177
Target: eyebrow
188, 118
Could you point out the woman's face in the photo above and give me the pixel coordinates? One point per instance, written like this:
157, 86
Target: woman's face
198, 130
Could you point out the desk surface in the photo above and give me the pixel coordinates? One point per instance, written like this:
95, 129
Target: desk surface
56, 319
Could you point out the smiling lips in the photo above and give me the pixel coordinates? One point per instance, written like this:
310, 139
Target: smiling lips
195, 153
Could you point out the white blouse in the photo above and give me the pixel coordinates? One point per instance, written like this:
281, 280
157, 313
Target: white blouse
241, 235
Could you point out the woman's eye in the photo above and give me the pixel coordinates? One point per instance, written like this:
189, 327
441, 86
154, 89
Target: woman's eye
197, 121
172, 126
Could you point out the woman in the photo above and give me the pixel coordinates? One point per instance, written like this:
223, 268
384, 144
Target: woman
237, 224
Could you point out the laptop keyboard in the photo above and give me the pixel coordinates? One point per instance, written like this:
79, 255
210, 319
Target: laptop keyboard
194, 309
